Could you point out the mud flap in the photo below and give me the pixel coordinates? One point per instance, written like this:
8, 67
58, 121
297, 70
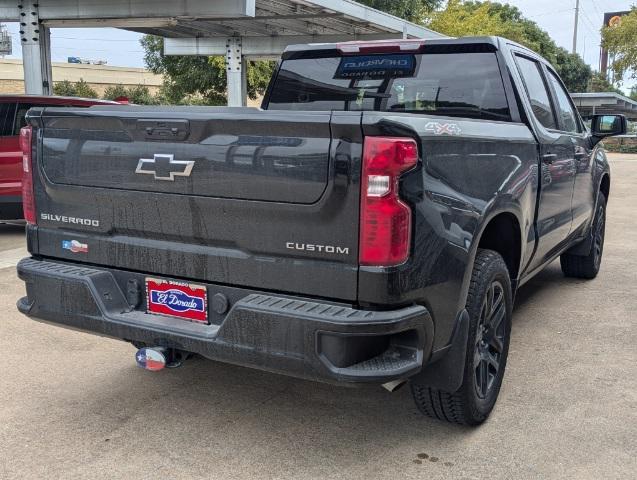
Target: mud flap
447, 372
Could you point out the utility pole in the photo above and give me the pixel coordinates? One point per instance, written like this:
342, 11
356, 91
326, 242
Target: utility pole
5, 41
575, 27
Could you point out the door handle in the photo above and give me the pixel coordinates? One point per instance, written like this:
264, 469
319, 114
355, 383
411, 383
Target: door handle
549, 158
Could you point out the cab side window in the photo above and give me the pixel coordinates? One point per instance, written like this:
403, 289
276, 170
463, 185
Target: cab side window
7, 114
537, 92
565, 108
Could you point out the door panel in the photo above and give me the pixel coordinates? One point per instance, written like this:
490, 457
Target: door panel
570, 122
584, 190
10, 166
554, 217
556, 164
10, 156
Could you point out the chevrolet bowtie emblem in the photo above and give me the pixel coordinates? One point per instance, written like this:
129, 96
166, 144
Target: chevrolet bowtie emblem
165, 167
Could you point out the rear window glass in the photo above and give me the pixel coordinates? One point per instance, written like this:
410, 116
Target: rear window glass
452, 84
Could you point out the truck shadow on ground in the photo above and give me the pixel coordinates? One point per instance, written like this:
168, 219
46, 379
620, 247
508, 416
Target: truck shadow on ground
209, 403
11, 224
548, 278
11, 237
11, 228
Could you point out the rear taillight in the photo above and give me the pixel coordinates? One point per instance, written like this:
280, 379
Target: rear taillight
385, 235
28, 199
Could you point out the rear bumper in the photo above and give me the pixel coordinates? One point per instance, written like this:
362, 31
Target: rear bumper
292, 336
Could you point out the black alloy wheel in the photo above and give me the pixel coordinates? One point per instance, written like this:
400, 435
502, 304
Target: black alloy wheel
587, 266
489, 340
489, 308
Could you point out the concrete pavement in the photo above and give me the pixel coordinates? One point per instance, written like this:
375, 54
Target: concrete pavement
73, 405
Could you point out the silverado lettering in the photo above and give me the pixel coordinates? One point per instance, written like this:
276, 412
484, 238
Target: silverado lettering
66, 219
453, 169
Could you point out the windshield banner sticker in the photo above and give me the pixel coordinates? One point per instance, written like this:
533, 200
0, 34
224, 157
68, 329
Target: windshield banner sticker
376, 66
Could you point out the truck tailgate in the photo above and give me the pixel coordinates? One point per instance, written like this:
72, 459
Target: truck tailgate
245, 197
243, 156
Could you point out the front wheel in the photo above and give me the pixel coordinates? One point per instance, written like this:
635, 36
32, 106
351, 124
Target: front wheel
587, 266
489, 305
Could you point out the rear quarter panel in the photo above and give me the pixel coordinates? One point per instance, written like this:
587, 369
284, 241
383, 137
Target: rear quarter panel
470, 171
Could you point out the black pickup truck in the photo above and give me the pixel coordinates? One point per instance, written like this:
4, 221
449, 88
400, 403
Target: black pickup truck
371, 223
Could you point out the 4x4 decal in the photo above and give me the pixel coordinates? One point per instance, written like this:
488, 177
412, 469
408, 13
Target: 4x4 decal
438, 128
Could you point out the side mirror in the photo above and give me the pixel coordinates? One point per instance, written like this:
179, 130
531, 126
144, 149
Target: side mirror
603, 126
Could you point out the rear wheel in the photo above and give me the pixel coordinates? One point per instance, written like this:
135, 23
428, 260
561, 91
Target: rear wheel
489, 305
578, 266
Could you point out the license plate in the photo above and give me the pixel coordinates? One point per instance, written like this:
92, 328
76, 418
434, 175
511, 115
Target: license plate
182, 300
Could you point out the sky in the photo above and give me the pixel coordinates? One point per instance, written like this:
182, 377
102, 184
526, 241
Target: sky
122, 48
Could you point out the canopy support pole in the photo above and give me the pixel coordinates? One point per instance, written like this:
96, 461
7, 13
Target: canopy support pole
236, 73
36, 50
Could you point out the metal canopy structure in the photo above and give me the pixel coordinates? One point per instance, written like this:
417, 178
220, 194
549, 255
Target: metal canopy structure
602, 103
237, 29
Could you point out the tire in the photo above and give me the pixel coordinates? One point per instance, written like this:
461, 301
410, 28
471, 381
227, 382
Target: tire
489, 305
578, 266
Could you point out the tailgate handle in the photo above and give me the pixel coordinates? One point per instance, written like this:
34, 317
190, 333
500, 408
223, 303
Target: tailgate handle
164, 129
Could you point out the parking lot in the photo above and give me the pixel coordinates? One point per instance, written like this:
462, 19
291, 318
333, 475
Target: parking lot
75, 405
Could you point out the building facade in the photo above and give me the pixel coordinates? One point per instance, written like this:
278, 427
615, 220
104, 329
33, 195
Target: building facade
99, 77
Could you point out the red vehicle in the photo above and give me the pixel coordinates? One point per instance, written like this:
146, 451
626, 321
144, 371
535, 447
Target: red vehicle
13, 108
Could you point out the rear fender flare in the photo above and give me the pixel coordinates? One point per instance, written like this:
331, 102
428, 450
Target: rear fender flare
486, 219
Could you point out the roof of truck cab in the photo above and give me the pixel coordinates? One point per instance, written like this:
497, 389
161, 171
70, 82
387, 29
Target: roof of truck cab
486, 40
492, 43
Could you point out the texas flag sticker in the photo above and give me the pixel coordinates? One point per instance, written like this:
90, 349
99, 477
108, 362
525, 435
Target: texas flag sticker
75, 246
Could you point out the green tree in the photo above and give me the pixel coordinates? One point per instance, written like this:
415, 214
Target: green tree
523, 30
621, 43
138, 94
66, 88
467, 18
633, 92
575, 73
462, 18
84, 90
599, 83
412, 10
198, 79
115, 91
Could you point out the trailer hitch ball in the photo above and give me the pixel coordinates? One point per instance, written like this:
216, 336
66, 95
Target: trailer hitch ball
158, 358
